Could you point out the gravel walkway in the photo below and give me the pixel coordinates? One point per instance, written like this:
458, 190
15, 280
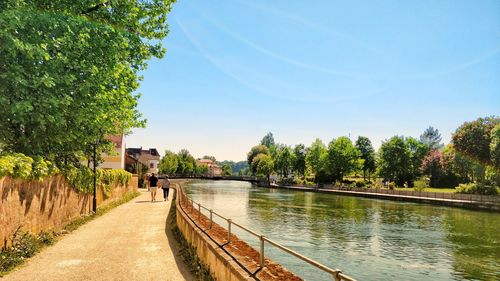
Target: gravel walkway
131, 242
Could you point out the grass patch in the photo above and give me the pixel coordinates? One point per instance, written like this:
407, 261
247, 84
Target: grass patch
26, 244
188, 252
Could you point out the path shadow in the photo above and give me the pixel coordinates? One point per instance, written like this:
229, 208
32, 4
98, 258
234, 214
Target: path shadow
174, 245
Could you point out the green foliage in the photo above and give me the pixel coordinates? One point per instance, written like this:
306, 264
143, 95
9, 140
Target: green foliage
431, 138
82, 178
477, 188
70, 70
394, 162
474, 139
420, 185
209, 158
227, 170
264, 164
360, 183
341, 158
495, 146
256, 150
20, 166
367, 153
283, 160
268, 140
315, 156
187, 163
24, 245
299, 160
169, 163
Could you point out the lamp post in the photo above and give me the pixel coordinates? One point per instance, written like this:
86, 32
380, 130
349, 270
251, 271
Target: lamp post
94, 200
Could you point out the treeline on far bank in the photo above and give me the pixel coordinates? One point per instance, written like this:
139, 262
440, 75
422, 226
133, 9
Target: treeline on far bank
471, 162
183, 163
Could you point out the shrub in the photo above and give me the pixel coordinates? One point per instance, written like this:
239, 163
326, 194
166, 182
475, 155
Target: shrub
360, 183
392, 185
476, 188
420, 185
24, 245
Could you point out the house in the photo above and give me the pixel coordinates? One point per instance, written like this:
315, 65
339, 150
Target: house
115, 160
149, 157
213, 168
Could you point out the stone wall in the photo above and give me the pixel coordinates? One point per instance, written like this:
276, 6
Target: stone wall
46, 205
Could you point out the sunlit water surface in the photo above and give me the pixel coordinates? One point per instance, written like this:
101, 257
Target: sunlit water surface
367, 239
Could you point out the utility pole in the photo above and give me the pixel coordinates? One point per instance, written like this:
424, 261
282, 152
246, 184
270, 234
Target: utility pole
94, 200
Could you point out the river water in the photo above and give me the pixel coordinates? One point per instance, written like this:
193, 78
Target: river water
368, 239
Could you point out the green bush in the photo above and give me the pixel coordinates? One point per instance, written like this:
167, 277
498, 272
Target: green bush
24, 245
420, 185
360, 183
475, 188
82, 178
20, 166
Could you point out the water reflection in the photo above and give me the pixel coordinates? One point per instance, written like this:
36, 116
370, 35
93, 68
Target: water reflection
366, 238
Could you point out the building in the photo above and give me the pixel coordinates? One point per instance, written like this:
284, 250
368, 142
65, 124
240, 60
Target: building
115, 160
213, 168
149, 157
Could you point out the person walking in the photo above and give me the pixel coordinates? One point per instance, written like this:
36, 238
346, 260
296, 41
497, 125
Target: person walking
153, 183
165, 187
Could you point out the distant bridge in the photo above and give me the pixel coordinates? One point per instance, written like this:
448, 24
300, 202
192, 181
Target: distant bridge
255, 180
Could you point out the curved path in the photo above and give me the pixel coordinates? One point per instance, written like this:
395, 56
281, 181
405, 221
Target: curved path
131, 242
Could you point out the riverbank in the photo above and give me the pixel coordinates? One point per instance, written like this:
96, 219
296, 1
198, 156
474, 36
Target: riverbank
468, 201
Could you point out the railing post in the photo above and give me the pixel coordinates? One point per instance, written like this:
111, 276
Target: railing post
336, 276
261, 257
211, 218
228, 230
199, 211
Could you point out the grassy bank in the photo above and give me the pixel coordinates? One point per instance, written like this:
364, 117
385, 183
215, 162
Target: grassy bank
26, 244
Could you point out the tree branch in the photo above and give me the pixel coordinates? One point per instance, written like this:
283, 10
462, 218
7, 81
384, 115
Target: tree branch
95, 8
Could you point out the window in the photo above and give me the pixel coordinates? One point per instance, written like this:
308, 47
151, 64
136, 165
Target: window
151, 165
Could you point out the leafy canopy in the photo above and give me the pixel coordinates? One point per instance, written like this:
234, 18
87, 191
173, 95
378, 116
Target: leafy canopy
70, 69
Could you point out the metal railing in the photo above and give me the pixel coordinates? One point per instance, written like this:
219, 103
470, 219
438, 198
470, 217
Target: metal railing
467, 198
189, 203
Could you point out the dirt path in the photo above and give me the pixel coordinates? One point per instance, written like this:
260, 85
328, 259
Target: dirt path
131, 242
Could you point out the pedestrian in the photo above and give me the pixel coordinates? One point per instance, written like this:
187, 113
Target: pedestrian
165, 187
153, 182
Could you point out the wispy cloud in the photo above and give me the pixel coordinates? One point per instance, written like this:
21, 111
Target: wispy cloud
266, 51
337, 98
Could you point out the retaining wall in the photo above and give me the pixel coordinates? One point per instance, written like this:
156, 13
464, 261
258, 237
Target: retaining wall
46, 205
221, 265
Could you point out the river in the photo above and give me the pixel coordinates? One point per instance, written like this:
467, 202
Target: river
368, 239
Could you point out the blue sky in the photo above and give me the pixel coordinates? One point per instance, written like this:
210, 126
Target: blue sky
236, 69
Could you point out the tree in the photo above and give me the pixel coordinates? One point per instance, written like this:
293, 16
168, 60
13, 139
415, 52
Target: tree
169, 163
227, 170
256, 150
417, 151
433, 165
342, 158
268, 140
264, 164
187, 163
473, 139
367, 153
495, 146
299, 160
394, 162
283, 160
431, 138
315, 156
70, 70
